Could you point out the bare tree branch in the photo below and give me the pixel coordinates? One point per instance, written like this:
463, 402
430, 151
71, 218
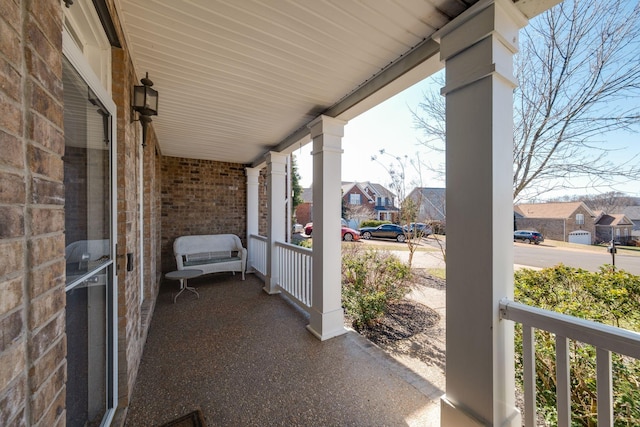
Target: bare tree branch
579, 72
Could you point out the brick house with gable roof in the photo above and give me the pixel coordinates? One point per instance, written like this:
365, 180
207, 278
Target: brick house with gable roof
614, 226
568, 222
633, 213
379, 200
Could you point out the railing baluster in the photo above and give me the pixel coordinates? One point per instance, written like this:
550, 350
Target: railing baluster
258, 257
294, 272
605, 388
563, 389
529, 375
605, 338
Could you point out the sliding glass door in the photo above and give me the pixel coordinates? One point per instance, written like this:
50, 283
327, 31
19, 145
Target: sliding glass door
89, 237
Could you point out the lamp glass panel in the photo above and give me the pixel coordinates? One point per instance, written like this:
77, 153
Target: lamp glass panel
152, 100
138, 96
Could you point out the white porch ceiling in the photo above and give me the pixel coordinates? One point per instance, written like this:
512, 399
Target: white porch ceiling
238, 78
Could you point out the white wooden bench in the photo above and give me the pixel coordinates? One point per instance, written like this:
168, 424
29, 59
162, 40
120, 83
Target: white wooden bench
211, 253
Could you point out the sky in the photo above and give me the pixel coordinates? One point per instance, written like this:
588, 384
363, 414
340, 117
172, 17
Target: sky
387, 126
390, 126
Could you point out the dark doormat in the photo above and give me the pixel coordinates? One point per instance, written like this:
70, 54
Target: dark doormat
193, 419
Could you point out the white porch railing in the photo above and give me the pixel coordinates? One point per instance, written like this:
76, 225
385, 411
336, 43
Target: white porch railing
294, 267
606, 339
258, 254
294, 272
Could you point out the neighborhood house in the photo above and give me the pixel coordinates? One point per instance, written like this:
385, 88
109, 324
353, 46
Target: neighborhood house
573, 222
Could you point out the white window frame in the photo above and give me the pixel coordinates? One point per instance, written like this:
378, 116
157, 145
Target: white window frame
81, 60
83, 28
579, 219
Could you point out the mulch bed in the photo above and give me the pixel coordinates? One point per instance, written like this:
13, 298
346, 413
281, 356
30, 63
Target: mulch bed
405, 318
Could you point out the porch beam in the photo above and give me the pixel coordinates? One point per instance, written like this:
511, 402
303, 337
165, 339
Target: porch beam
478, 49
276, 197
405, 71
326, 313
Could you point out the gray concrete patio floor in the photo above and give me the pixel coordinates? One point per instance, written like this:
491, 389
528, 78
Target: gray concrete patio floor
245, 358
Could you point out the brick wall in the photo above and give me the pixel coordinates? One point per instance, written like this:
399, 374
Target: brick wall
129, 311
303, 213
202, 197
550, 228
364, 210
559, 229
32, 344
134, 316
263, 203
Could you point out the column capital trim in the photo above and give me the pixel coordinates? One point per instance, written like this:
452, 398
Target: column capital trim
252, 172
322, 125
509, 7
275, 157
506, 24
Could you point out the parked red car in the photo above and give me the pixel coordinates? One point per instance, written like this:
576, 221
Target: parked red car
347, 234
308, 228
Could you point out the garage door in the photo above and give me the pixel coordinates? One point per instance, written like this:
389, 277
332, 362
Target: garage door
580, 237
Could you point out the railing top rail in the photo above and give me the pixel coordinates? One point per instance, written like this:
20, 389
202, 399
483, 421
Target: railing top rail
294, 248
608, 337
258, 237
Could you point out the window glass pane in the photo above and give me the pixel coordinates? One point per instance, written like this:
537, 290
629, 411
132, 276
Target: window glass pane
86, 178
89, 298
86, 317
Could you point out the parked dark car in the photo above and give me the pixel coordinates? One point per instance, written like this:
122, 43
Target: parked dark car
527, 236
418, 229
384, 231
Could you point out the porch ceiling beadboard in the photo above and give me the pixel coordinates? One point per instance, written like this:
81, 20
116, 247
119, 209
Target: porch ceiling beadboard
239, 78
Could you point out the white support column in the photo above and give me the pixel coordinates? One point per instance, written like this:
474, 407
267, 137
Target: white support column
276, 195
253, 208
478, 49
326, 314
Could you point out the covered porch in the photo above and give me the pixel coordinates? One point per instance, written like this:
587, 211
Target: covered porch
265, 100
241, 85
242, 357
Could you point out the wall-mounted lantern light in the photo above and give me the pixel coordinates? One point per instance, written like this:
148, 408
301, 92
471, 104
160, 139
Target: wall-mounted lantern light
145, 102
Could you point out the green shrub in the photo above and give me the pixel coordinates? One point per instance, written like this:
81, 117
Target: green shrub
306, 243
609, 296
370, 281
373, 223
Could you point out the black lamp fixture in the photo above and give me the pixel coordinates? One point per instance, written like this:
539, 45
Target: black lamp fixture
145, 102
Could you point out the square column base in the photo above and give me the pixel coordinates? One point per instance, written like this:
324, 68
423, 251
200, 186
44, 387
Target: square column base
270, 286
453, 415
326, 325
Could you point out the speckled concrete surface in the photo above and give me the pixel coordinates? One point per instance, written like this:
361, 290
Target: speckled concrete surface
246, 359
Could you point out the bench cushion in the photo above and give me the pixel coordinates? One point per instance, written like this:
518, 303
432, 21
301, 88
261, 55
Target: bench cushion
202, 258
